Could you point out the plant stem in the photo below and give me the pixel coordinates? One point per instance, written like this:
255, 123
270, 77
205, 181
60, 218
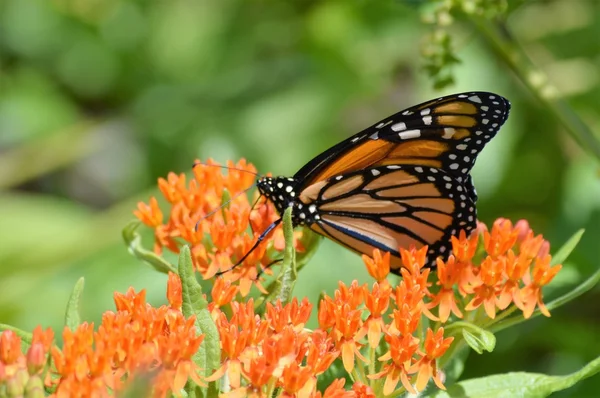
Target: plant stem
498, 36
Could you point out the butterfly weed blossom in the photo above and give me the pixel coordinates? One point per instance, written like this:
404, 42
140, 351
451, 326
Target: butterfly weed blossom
218, 237
154, 344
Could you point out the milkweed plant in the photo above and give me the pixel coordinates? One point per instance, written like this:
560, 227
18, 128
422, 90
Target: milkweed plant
241, 332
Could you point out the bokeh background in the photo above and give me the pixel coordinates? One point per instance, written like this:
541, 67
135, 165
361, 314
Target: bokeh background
99, 98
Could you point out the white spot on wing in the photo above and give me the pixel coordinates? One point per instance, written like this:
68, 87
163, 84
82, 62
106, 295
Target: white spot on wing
475, 98
448, 132
425, 111
399, 126
406, 135
427, 120
375, 172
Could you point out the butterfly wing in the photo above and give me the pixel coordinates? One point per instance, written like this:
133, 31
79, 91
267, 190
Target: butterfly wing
405, 180
388, 207
446, 133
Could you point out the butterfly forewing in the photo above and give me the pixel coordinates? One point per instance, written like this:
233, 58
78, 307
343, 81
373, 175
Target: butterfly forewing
448, 132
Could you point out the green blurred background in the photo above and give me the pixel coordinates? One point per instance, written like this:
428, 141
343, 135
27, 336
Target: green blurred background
99, 98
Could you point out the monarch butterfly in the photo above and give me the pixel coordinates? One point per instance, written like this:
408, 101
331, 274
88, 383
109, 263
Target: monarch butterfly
403, 181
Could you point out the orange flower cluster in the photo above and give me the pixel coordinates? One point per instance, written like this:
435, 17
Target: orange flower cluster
262, 353
514, 268
23, 374
355, 312
136, 340
218, 236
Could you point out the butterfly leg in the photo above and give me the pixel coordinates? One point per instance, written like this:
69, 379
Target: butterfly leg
262, 237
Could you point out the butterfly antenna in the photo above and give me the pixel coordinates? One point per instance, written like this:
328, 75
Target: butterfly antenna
210, 213
258, 242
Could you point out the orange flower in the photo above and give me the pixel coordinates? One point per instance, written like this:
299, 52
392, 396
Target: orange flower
280, 316
149, 214
531, 294
426, 367
174, 291
297, 381
445, 299
401, 351
502, 238
377, 302
489, 277
335, 390
362, 391
223, 292
321, 352
378, 266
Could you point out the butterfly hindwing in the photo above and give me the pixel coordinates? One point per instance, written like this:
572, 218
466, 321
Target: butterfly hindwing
393, 206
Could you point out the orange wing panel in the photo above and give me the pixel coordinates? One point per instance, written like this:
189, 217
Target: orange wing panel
361, 157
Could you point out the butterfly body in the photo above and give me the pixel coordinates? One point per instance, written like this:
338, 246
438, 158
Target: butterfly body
403, 181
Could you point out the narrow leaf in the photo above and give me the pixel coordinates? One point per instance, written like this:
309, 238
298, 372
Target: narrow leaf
134, 244
72, 314
563, 253
282, 287
208, 357
518, 384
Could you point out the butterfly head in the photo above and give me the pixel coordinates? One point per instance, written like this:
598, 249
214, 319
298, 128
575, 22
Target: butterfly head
279, 190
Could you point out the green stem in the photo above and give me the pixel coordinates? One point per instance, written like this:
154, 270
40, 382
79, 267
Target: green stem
371, 361
271, 387
397, 393
498, 36
488, 323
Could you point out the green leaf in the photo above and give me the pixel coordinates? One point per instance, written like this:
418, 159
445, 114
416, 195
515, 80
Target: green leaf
72, 315
134, 245
563, 253
456, 365
518, 384
208, 357
476, 337
479, 342
282, 287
